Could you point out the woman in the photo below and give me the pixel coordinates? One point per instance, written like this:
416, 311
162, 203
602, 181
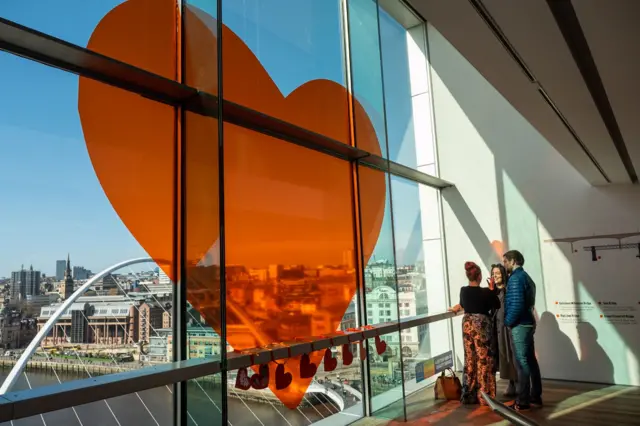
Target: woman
477, 329
504, 361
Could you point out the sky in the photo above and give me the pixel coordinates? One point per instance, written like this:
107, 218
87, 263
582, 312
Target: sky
53, 203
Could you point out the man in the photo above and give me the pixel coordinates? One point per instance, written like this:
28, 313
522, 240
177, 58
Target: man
519, 302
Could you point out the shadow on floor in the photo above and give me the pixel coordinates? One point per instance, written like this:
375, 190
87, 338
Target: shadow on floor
566, 403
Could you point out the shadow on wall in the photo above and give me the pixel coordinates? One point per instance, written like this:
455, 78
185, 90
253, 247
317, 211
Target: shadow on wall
557, 353
594, 361
554, 348
554, 194
471, 226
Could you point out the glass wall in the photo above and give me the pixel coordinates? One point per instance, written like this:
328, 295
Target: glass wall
204, 230
88, 173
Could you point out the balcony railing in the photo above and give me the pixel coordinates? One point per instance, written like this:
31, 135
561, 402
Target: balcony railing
27, 403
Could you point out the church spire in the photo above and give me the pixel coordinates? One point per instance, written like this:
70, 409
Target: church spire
68, 279
67, 272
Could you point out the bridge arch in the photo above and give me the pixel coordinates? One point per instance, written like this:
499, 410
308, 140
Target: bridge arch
19, 366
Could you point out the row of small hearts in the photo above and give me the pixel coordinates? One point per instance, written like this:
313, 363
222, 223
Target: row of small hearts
307, 368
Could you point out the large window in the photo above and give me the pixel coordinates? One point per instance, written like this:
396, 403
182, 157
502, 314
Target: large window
89, 200
216, 202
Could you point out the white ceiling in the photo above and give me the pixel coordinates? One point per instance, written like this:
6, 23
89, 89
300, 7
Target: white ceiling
610, 29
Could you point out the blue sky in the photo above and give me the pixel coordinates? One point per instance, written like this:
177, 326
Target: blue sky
52, 200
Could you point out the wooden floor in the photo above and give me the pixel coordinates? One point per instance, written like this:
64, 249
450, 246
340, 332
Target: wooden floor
566, 403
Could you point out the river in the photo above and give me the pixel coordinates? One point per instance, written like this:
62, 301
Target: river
154, 407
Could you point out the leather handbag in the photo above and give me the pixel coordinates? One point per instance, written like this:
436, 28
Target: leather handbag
448, 387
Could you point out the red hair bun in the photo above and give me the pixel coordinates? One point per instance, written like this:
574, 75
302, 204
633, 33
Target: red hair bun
472, 270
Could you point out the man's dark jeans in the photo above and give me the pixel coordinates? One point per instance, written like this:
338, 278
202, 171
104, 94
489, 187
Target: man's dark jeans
529, 379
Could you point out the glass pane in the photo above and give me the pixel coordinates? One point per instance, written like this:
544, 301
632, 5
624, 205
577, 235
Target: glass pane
381, 289
420, 272
204, 397
366, 72
406, 85
204, 404
90, 172
139, 32
149, 407
200, 43
283, 58
289, 253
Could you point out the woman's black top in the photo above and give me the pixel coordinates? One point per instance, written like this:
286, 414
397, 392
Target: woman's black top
479, 300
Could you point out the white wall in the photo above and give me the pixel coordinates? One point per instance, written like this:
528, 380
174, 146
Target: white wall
513, 187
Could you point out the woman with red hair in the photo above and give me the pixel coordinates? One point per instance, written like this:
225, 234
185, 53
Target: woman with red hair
478, 304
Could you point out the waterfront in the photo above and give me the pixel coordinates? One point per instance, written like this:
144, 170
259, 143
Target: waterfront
154, 407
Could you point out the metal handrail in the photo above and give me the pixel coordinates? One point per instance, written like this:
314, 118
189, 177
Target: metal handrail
27, 403
507, 413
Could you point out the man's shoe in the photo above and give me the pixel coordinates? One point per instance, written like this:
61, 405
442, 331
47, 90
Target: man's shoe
518, 407
536, 402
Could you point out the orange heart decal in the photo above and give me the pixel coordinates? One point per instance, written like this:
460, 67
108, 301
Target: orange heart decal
284, 205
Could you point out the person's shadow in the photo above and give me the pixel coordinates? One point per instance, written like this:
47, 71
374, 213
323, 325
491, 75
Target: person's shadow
556, 354
594, 361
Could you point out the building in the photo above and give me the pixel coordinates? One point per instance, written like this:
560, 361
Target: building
8, 302
150, 319
61, 265
9, 334
383, 304
68, 280
160, 285
33, 304
81, 273
25, 282
28, 330
158, 347
103, 320
163, 278
379, 273
202, 342
16, 332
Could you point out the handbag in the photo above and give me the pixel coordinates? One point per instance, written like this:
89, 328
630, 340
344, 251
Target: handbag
448, 387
